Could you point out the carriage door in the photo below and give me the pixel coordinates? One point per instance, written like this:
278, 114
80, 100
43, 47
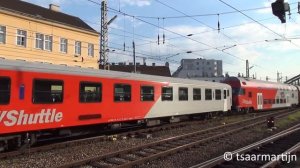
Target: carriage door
287, 100
259, 101
225, 100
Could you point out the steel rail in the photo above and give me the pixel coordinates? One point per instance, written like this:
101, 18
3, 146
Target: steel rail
220, 159
274, 163
60, 145
172, 145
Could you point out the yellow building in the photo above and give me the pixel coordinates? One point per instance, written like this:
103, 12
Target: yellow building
33, 33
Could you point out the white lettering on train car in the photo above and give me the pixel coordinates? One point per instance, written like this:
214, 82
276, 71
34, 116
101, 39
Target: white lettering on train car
14, 117
248, 102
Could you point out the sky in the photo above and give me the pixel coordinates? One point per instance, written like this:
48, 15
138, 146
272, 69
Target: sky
247, 31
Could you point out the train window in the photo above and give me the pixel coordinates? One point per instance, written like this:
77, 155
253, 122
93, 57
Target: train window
281, 100
90, 92
147, 93
238, 91
266, 101
196, 94
218, 94
227, 93
122, 93
277, 101
208, 94
242, 92
167, 94
4, 90
183, 94
47, 91
249, 94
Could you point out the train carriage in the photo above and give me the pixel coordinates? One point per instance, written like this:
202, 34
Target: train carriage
37, 98
250, 94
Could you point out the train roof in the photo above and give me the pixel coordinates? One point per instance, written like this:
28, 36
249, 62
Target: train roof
62, 69
258, 83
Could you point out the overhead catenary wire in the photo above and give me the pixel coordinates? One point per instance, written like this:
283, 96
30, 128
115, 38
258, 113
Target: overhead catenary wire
281, 36
205, 15
170, 31
180, 35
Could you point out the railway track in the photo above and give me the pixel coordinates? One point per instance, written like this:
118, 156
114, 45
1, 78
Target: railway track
282, 144
59, 145
144, 153
132, 133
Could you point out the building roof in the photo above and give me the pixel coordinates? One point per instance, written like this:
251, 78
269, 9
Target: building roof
42, 13
143, 69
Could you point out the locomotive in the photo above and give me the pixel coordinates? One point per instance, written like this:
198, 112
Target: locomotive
39, 99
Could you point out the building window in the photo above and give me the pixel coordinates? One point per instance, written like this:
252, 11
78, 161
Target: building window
218, 94
196, 94
77, 48
21, 38
39, 41
91, 50
4, 90
167, 94
208, 94
90, 92
2, 34
63, 45
147, 93
122, 93
47, 91
48, 42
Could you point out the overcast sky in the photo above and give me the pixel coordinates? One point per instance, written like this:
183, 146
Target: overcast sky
253, 33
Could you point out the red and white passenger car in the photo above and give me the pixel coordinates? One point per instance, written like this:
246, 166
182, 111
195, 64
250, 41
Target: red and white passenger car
37, 99
250, 95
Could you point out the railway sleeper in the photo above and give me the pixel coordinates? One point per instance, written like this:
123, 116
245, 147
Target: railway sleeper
130, 157
101, 164
162, 148
170, 145
150, 150
116, 160
142, 153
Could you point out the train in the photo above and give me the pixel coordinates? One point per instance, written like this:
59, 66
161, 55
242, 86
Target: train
43, 100
250, 95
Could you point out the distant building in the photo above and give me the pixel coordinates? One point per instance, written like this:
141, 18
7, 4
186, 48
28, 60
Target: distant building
142, 69
33, 33
199, 68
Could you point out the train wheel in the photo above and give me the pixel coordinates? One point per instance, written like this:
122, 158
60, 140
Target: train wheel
28, 140
3, 146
